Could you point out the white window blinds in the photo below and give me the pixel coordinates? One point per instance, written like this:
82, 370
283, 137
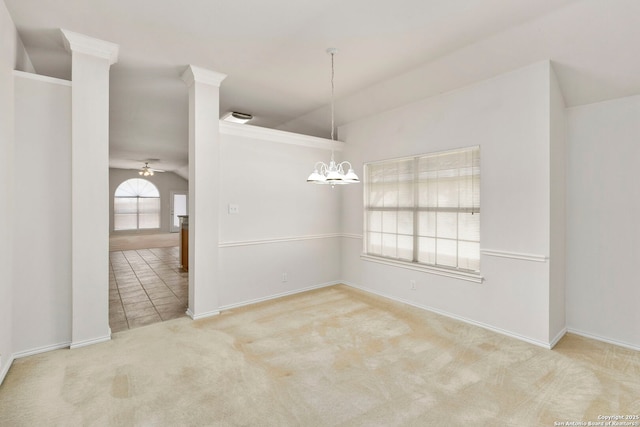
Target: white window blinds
425, 209
136, 205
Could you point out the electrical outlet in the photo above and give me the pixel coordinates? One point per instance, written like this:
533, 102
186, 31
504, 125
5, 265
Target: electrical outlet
284, 277
412, 283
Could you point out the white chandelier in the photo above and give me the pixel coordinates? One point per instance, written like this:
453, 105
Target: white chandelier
333, 173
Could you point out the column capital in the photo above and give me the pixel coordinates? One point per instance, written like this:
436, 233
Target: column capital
76, 42
201, 75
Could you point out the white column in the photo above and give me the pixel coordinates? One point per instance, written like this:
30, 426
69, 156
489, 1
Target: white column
204, 147
91, 59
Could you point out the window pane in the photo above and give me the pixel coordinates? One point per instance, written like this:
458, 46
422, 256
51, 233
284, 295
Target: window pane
390, 184
405, 247
389, 222
389, 245
391, 195
125, 213
465, 192
148, 213
447, 224
447, 189
148, 206
469, 226
374, 173
427, 250
125, 205
447, 252
376, 195
137, 187
469, 255
405, 183
405, 223
374, 243
428, 188
427, 224
476, 187
125, 221
374, 219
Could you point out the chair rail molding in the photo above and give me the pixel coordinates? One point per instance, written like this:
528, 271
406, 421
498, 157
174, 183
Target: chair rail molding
278, 240
514, 255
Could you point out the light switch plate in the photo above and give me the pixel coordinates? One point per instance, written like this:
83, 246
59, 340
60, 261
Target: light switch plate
234, 209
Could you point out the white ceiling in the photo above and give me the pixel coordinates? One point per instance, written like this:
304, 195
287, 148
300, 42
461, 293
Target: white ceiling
390, 53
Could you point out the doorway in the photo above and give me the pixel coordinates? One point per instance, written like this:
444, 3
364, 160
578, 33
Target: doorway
179, 205
146, 283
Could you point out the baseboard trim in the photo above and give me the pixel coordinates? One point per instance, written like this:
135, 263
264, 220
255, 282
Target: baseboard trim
280, 295
558, 337
603, 339
202, 315
5, 369
84, 343
538, 343
42, 349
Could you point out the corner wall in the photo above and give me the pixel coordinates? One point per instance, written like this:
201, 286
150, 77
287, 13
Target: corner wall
603, 235
557, 214
12, 56
8, 38
42, 247
285, 236
509, 117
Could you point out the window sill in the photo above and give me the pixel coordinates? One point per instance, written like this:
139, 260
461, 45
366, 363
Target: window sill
470, 277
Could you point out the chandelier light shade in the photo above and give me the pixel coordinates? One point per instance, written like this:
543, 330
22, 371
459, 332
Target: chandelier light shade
146, 170
333, 173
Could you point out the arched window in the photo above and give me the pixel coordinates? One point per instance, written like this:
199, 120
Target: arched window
136, 205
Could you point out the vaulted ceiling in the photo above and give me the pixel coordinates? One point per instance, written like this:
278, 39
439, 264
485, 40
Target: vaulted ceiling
273, 51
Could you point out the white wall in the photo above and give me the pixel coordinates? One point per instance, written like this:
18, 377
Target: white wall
12, 56
8, 37
42, 248
509, 117
284, 224
166, 183
603, 235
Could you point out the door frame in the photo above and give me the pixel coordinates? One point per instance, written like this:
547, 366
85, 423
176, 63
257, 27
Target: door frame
172, 227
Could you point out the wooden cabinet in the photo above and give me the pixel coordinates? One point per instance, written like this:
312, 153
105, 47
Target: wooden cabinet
184, 242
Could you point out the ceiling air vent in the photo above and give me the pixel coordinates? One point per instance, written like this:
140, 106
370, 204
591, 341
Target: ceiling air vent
236, 117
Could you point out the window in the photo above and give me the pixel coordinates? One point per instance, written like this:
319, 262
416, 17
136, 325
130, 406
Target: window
425, 209
136, 205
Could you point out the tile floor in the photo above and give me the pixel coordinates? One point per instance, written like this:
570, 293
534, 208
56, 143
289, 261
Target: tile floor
146, 286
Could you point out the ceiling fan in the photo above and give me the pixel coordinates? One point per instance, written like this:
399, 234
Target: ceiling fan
147, 170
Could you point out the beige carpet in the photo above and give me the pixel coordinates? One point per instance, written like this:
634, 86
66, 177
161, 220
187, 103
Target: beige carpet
331, 357
125, 242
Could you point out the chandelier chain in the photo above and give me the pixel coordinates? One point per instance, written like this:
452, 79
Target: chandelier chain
333, 173
332, 99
